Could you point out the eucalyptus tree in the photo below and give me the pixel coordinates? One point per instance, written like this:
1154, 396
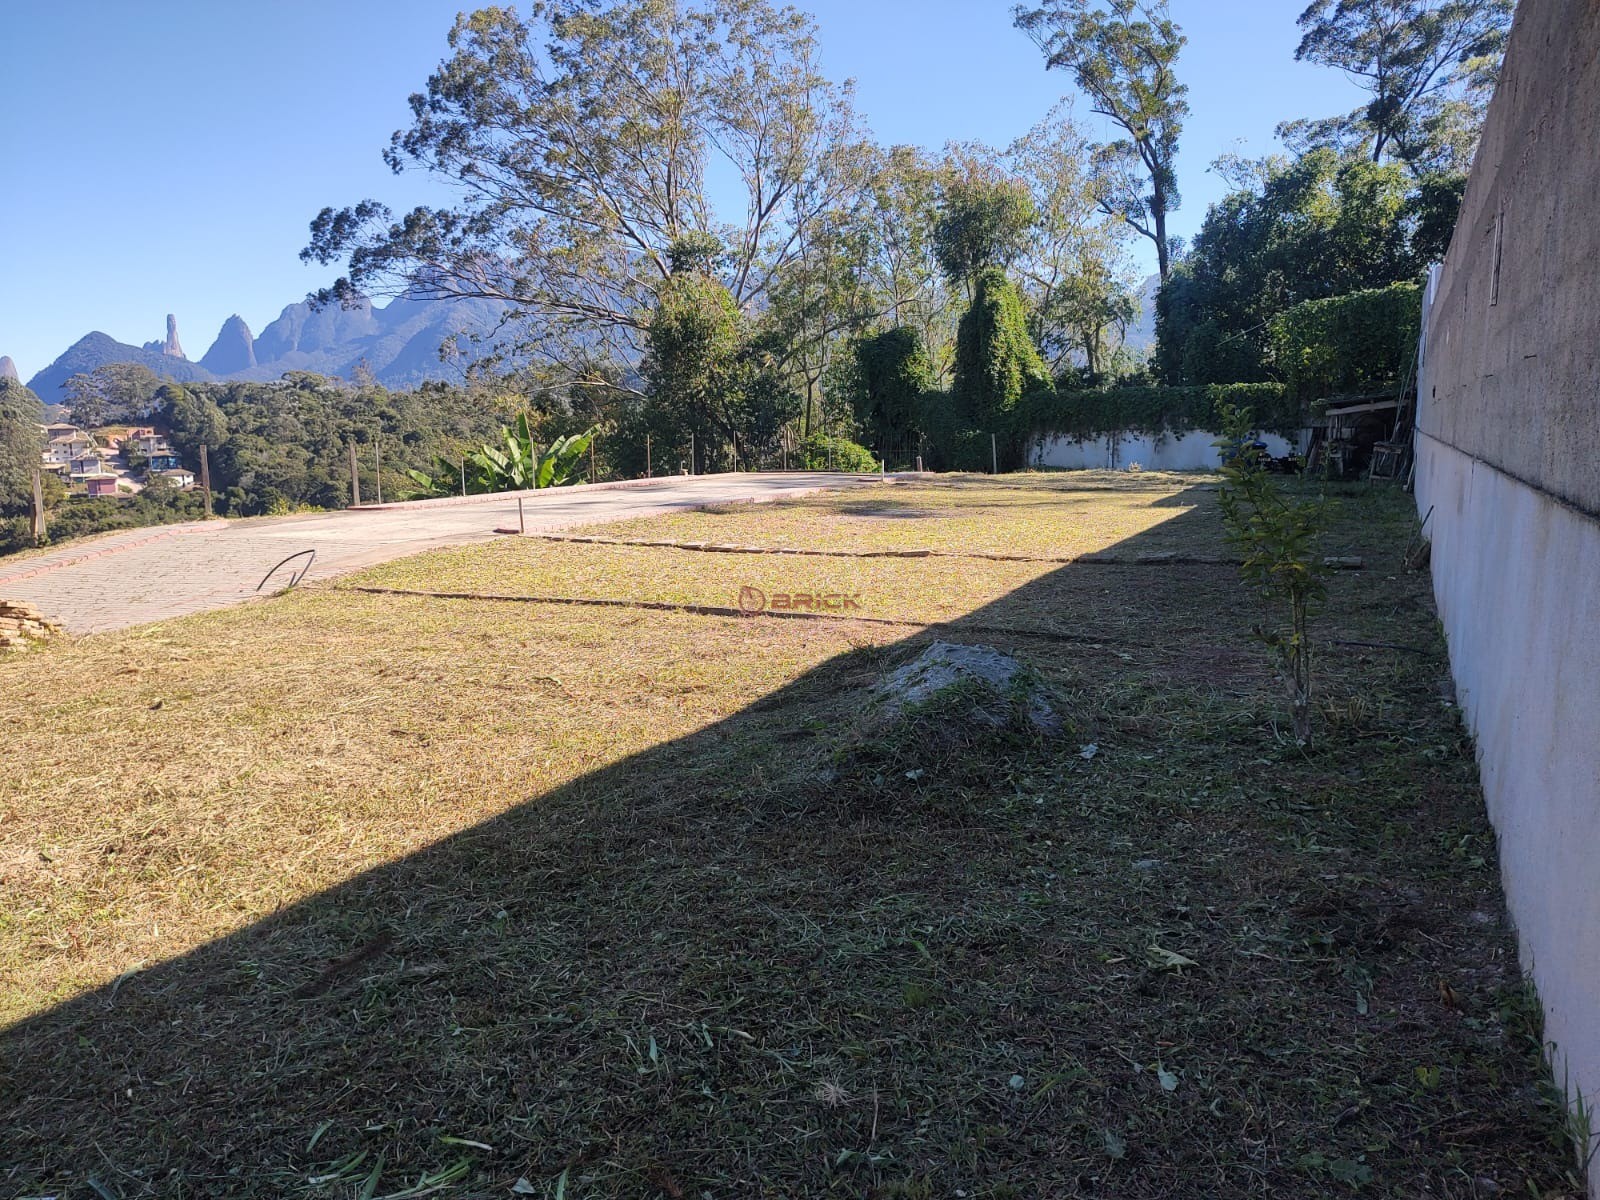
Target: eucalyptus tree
1429, 67
901, 262
1074, 270
1122, 55
578, 142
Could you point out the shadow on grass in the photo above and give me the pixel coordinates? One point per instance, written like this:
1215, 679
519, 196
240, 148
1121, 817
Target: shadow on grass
740, 964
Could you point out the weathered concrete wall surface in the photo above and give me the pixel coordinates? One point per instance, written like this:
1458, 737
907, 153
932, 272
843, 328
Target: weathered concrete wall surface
1508, 462
1192, 451
1514, 344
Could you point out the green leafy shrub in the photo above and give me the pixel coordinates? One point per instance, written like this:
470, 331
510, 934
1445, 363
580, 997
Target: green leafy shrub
953, 445
1277, 535
822, 452
1352, 345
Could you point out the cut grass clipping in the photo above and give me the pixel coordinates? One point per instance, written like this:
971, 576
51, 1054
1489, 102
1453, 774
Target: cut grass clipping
343, 894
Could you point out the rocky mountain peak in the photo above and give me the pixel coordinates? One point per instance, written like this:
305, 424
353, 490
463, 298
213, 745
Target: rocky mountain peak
234, 350
8, 369
172, 348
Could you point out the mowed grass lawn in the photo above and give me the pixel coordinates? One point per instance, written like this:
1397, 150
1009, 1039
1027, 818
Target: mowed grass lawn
360, 894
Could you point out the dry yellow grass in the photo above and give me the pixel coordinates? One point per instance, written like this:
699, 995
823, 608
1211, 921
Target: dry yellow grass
628, 902
167, 785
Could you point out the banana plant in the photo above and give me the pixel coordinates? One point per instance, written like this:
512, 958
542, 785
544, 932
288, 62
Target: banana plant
516, 464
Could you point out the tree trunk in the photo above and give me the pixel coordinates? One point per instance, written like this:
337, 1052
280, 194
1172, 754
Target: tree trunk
1159, 213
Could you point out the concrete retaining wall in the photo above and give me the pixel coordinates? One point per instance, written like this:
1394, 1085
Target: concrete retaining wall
1508, 463
1192, 451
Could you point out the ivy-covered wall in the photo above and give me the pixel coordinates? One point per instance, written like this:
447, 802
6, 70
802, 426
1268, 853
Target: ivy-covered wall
1159, 410
1359, 344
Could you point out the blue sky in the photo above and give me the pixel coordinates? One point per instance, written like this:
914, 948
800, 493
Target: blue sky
167, 156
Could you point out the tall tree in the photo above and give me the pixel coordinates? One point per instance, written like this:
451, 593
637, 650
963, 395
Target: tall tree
21, 440
579, 141
1122, 53
1429, 66
706, 376
192, 422
984, 217
900, 262
1074, 269
892, 374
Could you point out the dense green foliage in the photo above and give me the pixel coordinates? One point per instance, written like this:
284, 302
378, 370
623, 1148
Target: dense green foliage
891, 374
996, 360
20, 443
286, 443
1158, 410
1317, 227
951, 444
1356, 344
704, 374
158, 504
118, 391
983, 222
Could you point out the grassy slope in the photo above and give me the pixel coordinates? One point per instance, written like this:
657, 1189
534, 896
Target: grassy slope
645, 904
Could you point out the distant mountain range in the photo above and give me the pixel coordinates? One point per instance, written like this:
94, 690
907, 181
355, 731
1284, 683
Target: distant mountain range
399, 343
1142, 333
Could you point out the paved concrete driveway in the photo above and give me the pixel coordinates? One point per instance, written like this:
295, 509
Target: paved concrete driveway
152, 574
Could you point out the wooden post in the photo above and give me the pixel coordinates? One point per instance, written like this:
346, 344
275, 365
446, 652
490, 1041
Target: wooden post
377, 455
691, 452
38, 510
355, 479
205, 478
591, 461
919, 464
522, 522
647, 471
463, 479
994, 457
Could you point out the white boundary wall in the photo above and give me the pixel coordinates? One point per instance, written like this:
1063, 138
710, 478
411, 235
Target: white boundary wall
1192, 451
1508, 473
1517, 578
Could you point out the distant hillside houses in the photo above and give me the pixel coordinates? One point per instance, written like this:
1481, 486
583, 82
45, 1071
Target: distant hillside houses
126, 462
